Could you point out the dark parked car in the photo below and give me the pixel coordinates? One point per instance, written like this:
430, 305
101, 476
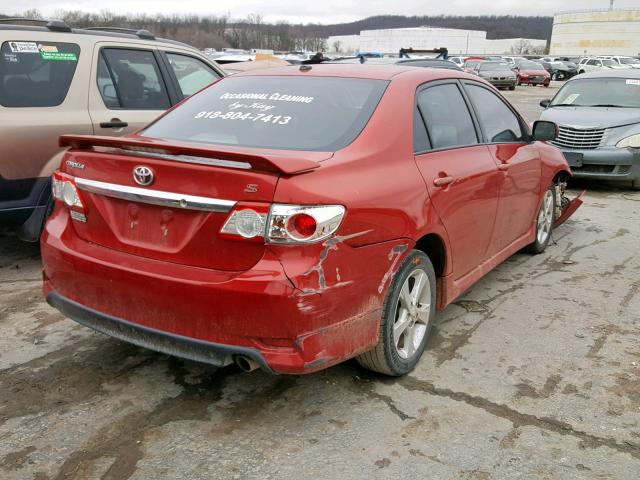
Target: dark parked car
430, 63
559, 70
598, 116
409, 62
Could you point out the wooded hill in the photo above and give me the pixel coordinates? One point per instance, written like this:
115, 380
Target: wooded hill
253, 32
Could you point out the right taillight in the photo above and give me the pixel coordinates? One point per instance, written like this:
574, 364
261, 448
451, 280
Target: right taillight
288, 224
303, 223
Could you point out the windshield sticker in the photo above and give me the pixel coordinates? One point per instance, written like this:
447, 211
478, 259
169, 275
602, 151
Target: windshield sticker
572, 98
11, 57
24, 47
48, 48
69, 57
633, 82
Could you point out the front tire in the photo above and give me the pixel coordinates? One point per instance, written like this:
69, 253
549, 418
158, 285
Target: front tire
407, 318
635, 184
544, 221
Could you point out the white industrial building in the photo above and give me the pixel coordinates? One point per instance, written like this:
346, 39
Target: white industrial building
390, 41
596, 32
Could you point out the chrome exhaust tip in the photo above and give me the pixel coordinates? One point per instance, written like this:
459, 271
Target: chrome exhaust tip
245, 364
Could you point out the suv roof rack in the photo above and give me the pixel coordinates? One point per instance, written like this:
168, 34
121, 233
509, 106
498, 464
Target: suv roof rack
53, 25
142, 34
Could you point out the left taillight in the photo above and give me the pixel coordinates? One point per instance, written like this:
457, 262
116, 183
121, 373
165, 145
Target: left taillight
65, 190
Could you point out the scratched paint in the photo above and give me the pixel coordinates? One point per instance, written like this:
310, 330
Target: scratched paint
394, 256
329, 245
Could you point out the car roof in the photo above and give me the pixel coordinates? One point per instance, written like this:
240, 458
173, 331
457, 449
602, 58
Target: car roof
94, 33
347, 70
610, 73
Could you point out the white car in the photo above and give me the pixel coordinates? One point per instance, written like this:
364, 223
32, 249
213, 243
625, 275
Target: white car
457, 60
629, 61
594, 64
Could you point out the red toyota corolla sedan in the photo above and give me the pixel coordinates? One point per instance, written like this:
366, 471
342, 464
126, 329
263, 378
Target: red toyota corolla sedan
293, 218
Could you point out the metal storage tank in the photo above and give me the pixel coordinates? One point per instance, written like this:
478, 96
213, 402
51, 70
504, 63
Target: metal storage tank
596, 32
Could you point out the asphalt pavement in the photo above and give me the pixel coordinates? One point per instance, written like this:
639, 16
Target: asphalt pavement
532, 374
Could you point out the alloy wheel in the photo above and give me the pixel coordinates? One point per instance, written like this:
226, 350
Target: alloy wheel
545, 218
412, 314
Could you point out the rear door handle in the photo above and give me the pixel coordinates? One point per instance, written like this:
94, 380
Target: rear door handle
114, 124
503, 167
442, 181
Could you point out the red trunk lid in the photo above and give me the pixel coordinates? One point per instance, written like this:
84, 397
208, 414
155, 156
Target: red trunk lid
178, 217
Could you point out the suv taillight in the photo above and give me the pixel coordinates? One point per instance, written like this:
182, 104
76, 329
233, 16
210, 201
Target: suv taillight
64, 189
284, 224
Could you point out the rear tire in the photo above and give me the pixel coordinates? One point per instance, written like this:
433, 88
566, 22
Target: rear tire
512, 87
407, 318
544, 222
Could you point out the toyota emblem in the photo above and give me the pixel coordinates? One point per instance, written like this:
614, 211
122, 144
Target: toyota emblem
143, 176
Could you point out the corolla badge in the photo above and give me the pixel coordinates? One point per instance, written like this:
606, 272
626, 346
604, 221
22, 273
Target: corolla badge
143, 175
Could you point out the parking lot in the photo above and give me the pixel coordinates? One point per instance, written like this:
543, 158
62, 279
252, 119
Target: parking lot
533, 373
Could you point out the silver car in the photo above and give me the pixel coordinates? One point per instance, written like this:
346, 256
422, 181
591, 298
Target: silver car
497, 73
598, 116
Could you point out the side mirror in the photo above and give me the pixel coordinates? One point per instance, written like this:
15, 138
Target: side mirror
545, 103
544, 131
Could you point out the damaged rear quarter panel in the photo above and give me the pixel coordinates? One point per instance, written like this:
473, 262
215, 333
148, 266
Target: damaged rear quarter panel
340, 290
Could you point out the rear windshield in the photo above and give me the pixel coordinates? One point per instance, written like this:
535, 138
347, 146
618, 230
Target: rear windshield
288, 113
495, 66
531, 66
36, 74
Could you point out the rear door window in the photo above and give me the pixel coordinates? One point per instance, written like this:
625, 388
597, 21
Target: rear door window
280, 112
130, 79
447, 117
192, 74
36, 74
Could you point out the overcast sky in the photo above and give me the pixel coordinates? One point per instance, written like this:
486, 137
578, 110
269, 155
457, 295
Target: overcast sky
322, 11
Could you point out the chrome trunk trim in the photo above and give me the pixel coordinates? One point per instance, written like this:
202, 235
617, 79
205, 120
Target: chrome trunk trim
155, 197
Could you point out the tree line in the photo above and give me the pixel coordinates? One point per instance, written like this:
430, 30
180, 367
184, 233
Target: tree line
210, 31
213, 31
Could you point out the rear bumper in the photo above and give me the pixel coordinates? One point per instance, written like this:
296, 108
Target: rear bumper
534, 81
158, 340
279, 312
604, 164
502, 83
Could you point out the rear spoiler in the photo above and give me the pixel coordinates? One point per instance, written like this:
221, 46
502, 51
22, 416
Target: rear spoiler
283, 162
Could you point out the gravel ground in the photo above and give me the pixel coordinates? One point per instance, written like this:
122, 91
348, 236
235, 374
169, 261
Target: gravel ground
533, 373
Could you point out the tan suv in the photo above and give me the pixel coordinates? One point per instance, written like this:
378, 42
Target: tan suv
102, 81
